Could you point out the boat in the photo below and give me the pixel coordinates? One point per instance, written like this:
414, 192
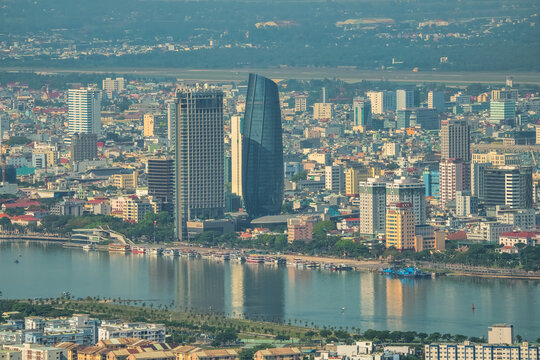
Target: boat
170, 252
119, 248
408, 272
255, 259
138, 250
155, 251
88, 247
297, 262
313, 265
221, 256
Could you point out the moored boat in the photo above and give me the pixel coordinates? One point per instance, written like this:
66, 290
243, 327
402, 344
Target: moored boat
138, 250
119, 248
255, 259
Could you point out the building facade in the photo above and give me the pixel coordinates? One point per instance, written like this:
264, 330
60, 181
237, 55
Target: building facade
84, 111
400, 228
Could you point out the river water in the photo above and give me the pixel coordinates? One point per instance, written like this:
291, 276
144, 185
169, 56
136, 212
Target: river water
362, 300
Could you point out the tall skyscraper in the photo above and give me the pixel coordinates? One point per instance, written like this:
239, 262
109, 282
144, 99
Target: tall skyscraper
83, 147
262, 148
372, 193
509, 185
436, 101
404, 99
171, 121
84, 111
237, 123
199, 185
400, 226
160, 175
362, 113
409, 190
455, 140
454, 175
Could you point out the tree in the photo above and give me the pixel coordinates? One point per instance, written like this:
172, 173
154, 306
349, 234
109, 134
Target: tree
302, 175
322, 227
519, 338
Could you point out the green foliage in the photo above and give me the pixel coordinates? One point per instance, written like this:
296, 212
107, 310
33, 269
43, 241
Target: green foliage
323, 227
18, 140
302, 175
224, 337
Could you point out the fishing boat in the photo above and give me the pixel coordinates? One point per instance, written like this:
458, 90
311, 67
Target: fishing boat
170, 252
408, 272
155, 251
119, 248
255, 259
138, 250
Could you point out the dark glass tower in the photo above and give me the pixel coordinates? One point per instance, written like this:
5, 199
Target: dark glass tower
262, 149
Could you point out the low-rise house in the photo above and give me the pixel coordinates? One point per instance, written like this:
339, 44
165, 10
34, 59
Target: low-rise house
278, 354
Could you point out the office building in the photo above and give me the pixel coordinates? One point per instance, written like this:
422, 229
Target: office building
334, 178
427, 119
504, 94
171, 122
400, 226
410, 190
431, 179
466, 203
84, 111
372, 199
454, 175
323, 111
436, 101
455, 140
477, 178
382, 101
262, 149
126, 181
405, 99
83, 147
510, 186
199, 185
496, 159
502, 111
237, 124
155, 125
135, 209
160, 175
523, 219
362, 114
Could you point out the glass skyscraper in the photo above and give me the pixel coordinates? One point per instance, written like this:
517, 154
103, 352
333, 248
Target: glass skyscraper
262, 149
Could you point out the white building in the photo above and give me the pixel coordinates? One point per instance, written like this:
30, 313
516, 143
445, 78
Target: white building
466, 204
467, 351
153, 332
372, 196
334, 178
10, 355
501, 334
382, 101
237, 123
38, 352
84, 111
524, 219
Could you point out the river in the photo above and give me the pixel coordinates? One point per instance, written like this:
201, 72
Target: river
362, 300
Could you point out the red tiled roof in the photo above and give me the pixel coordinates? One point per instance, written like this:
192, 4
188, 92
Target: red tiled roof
520, 234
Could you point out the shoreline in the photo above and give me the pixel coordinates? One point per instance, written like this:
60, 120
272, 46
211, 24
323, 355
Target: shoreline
358, 265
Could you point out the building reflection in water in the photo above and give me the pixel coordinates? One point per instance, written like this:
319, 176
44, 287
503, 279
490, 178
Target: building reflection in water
394, 303
266, 296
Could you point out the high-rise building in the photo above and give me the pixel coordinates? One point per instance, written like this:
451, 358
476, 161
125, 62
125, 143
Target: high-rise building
400, 226
454, 175
466, 203
4, 125
160, 175
436, 101
427, 119
477, 178
84, 111
455, 140
323, 111
199, 185
405, 99
83, 147
431, 179
372, 193
237, 124
262, 149
117, 85
382, 101
171, 122
509, 185
502, 111
155, 125
334, 178
300, 103
362, 113
352, 181
410, 190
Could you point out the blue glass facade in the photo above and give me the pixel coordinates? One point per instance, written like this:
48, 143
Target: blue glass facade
431, 179
262, 149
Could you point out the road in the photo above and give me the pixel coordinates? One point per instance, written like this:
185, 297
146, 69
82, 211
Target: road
347, 74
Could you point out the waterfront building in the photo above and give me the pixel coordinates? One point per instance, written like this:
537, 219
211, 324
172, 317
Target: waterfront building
160, 175
455, 140
199, 154
300, 228
237, 124
134, 209
400, 227
372, 196
513, 238
405, 99
84, 111
427, 238
334, 178
501, 334
362, 114
83, 147
154, 332
155, 125
468, 351
407, 189
262, 149
436, 101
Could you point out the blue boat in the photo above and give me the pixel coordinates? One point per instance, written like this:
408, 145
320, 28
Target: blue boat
408, 272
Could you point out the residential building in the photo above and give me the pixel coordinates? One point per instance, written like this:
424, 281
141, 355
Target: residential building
405, 99
334, 178
171, 122
323, 111
262, 149
114, 85
391, 149
160, 175
153, 355
372, 199
362, 114
427, 238
466, 203
491, 230
400, 226
199, 157
501, 334
92, 353
382, 101
134, 209
155, 125
37, 352
408, 189
126, 181
300, 228
436, 101
300, 103
4, 125
285, 353
10, 354
496, 159
84, 111
83, 147
454, 176
468, 351
154, 332
352, 181
237, 124
455, 140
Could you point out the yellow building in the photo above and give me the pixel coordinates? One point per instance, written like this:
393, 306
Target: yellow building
92, 353
134, 209
352, 179
71, 348
400, 229
126, 181
496, 159
218, 354
278, 354
155, 125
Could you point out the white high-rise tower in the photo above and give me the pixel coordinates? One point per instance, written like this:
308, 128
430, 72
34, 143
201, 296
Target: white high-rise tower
84, 111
